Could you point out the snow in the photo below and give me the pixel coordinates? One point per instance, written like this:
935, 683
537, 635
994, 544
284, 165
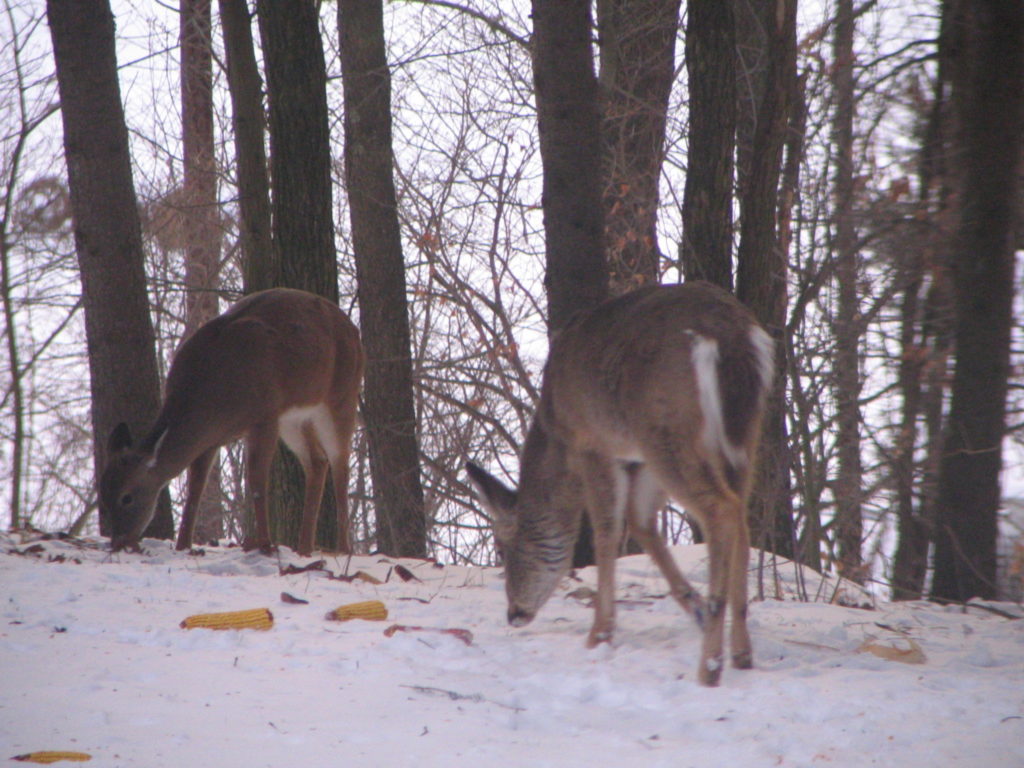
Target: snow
92, 659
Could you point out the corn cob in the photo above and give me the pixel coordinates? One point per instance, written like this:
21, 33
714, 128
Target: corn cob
256, 618
52, 756
370, 610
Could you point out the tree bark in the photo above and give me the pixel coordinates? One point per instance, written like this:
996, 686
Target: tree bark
200, 214
568, 122
389, 407
706, 247
988, 103
261, 266
925, 338
761, 263
847, 324
108, 239
570, 147
301, 207
637, 41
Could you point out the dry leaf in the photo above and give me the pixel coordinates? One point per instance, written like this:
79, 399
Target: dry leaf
912, 655
405, 574
287, 598
367, 577
291, 569
462, 634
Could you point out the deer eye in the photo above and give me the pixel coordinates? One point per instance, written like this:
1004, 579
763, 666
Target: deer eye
126, 500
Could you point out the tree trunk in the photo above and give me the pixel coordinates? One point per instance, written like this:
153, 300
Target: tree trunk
761, 263
925, 336
108, 240
260, 265
202, 233
847, 324
637, 39
988, 103
389, 408
706, 247
570, 148
303, 221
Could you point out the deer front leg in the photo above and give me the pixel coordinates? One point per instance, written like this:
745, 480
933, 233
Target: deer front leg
604, 488
198, 474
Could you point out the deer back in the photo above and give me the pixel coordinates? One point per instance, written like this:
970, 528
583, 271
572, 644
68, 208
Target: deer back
659, 368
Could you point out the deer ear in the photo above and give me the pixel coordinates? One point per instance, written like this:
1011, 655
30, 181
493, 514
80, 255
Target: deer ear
119, 439
498, 498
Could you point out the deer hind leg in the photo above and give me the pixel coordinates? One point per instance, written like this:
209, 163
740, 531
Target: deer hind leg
198, 474
645, 499
739, 639
604, 488
260, 446
721, 522
344, 427
313, 458
691, 480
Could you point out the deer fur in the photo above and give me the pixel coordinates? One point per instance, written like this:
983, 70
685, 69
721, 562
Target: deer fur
279, 363
657, 393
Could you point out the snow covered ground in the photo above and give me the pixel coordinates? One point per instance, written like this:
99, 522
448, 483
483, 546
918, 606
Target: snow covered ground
92, 659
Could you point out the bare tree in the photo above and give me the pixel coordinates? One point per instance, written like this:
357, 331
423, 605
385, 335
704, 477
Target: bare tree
260, 263
200, 211
380, 267
847, 329
988, 103
637, 54
761, 274
570, 147
122, 365
707, 243
301, 202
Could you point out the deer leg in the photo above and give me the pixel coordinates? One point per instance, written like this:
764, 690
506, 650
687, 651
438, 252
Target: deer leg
260, 447
645, 499
604, 490
721, 516
345, 426
739, 639
314, 466
198, 474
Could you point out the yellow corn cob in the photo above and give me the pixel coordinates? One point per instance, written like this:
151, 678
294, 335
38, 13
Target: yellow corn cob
257, 618
52, 756
370, 610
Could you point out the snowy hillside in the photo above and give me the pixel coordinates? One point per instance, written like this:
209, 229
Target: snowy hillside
92, 659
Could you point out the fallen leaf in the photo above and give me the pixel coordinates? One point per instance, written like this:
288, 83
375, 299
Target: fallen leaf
912, 655
462, 634
405, 574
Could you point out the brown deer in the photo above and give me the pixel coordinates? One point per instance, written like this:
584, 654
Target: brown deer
280, 363
657, 393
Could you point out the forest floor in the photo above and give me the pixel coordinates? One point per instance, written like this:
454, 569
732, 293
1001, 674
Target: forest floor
93, 659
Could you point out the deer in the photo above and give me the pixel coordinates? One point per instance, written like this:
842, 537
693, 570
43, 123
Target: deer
658, 393
280, 363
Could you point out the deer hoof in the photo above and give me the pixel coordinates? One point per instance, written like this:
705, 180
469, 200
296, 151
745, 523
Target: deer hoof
599, 637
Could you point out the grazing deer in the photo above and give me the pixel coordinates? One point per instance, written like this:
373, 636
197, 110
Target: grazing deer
656, 393
280, 363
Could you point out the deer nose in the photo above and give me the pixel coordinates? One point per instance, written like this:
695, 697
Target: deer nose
519, 617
